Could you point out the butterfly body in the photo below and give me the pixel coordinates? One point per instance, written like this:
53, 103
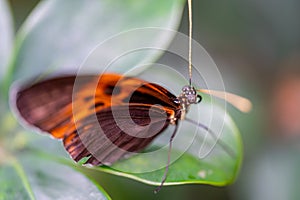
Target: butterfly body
102, 117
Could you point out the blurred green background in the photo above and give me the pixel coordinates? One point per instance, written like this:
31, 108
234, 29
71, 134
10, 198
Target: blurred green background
256, 46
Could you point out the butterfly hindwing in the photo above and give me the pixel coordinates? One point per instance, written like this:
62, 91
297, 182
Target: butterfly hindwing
108, 137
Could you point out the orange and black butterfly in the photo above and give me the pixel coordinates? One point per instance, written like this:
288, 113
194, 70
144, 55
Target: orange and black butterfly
104, 118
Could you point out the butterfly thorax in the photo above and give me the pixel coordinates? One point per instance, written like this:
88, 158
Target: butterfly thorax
187, 97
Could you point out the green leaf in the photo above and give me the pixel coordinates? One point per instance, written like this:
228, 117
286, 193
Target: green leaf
26, 174
10, 184
60, 35
33, 177
6, 38
213, 165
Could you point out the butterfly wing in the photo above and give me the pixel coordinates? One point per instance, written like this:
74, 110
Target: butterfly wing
107, 137
47, 104
103, 118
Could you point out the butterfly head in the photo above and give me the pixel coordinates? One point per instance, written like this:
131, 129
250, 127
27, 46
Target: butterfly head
187, 97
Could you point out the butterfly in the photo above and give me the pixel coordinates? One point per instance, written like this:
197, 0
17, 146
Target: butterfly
106, 117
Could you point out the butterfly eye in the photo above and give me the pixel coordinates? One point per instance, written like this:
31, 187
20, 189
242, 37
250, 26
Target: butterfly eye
190, 94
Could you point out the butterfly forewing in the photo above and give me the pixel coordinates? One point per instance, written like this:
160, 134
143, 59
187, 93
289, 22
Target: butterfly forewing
46, 104
101, 117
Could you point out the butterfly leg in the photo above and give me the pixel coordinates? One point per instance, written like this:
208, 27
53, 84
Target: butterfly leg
169, 159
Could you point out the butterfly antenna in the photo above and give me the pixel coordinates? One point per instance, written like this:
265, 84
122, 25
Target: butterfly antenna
190, 40
225, 147
168, 163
